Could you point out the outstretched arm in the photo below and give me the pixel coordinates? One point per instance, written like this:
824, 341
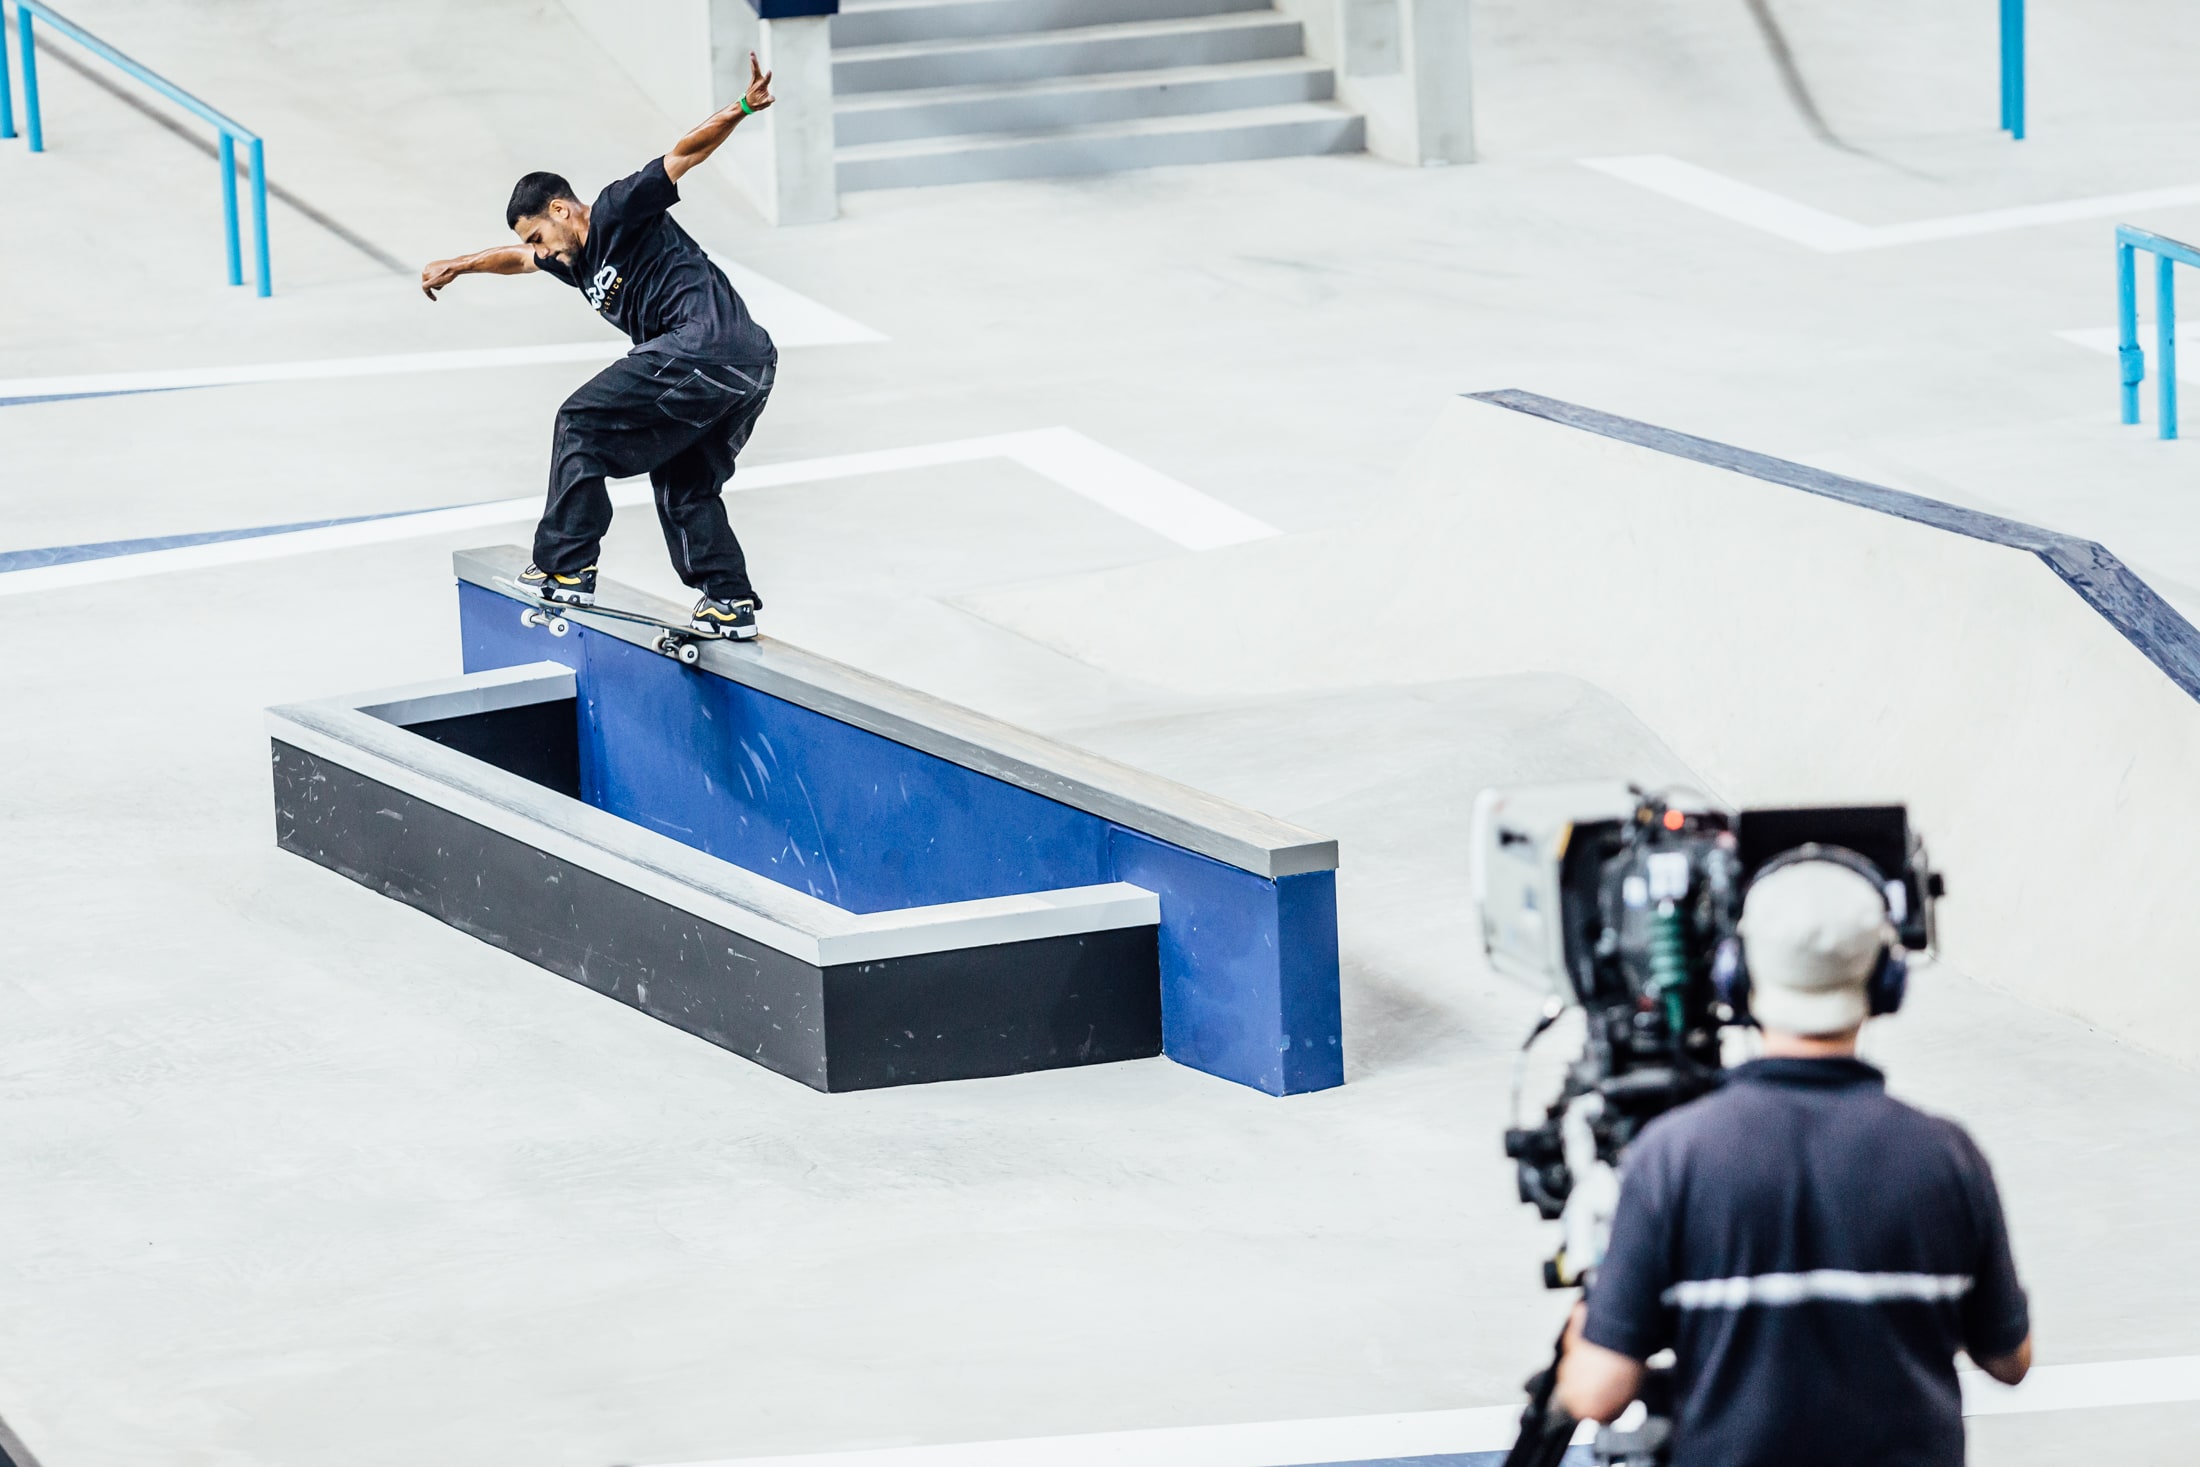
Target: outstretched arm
503, 260
704, 141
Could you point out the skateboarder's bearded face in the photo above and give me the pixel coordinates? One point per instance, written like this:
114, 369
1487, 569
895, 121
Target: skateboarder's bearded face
558, 232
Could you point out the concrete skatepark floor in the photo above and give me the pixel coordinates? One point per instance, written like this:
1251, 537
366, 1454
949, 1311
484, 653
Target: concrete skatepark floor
299, 1176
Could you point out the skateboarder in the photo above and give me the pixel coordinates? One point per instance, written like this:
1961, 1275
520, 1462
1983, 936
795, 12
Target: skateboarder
679, 406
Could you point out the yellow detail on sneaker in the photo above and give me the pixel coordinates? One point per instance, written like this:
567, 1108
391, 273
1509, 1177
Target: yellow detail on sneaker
725, 613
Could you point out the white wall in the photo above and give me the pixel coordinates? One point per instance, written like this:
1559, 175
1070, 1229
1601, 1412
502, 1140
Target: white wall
1789, 647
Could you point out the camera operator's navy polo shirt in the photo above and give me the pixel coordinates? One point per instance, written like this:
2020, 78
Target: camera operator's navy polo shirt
1815, 1252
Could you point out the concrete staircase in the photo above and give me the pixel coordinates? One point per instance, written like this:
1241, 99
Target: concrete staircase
953, 91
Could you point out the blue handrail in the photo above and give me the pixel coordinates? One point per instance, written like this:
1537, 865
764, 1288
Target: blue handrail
2168, 254
2012, 68
232, 131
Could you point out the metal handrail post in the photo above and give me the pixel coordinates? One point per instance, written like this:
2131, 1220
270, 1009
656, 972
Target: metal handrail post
2005, 65
229, 208
2165, 327
2168, 255
32, 124
7, 90
229, 129
259, 216
2130, 359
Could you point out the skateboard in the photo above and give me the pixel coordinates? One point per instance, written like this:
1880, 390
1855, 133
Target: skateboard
675, 639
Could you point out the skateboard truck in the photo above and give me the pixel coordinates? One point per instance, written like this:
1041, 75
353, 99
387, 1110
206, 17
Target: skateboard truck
680, 646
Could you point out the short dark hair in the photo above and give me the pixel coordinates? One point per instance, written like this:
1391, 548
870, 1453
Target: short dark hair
532, 195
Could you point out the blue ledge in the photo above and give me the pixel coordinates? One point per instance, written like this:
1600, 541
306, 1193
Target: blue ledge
873, 797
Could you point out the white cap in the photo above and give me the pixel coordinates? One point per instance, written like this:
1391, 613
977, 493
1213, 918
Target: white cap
1812, 933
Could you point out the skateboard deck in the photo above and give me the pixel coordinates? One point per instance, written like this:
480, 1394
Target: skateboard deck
675, 639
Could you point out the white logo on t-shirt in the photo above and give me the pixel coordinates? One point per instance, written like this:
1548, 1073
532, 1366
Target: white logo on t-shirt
601, 285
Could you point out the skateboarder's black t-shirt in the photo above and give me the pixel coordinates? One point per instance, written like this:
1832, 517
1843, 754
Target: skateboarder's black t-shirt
647, 276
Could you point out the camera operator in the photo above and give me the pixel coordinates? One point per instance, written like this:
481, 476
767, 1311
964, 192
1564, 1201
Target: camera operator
1813, 1251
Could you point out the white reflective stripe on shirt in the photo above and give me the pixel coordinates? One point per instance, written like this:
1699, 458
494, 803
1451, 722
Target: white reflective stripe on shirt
1831, 1285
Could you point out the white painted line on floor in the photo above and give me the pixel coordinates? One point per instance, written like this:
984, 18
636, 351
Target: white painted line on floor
1740, 202
396, 364
1171, 509
2163, 1382
1775, 214
2103, 339
792, 318
1439, 1433
1137, 493
1261, 1444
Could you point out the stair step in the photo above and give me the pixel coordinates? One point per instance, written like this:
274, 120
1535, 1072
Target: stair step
1259, 35
1079, 101
1208, 137
896, 22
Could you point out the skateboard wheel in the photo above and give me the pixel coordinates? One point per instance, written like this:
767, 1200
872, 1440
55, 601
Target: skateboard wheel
558, 626
690, 654
528, 616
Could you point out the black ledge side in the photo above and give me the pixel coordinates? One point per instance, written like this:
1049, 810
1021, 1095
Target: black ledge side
1001, 1009
2108, 585
12, 1451
539, 742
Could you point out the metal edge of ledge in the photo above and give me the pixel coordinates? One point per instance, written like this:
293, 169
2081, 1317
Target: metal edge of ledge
754, 906
520, 686
2112, 589
1147, 803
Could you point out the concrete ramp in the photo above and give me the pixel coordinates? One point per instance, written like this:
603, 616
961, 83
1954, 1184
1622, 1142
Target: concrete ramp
1793, 636
1623, 76
1718, 81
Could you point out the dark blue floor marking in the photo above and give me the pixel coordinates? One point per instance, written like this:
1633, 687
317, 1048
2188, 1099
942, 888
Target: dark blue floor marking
2110, 587
1575, 1457
75, 396
15, 560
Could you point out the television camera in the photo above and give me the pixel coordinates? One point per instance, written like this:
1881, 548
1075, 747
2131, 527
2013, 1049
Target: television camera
1625, 905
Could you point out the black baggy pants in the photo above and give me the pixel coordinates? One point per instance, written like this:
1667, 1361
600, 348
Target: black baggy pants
680, 421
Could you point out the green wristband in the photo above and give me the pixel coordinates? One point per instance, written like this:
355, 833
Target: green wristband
746, 109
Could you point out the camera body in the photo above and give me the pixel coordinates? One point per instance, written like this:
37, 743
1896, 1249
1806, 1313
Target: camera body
1626, 905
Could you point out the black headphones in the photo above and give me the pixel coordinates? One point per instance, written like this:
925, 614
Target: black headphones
1890, 979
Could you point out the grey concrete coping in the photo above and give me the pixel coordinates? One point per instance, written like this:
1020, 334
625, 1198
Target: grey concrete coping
1147, 803
365, 734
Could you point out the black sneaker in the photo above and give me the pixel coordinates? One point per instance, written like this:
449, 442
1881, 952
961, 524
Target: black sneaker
577, 589
735, 619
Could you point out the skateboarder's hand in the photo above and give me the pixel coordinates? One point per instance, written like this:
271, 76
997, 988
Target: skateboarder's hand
760, 86
437, 275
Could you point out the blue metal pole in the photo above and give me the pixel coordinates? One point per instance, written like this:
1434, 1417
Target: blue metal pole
2165, 341
2012, 68
259, 216
2129, 358
2005, 65
32, 123
229, 208
7, 95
